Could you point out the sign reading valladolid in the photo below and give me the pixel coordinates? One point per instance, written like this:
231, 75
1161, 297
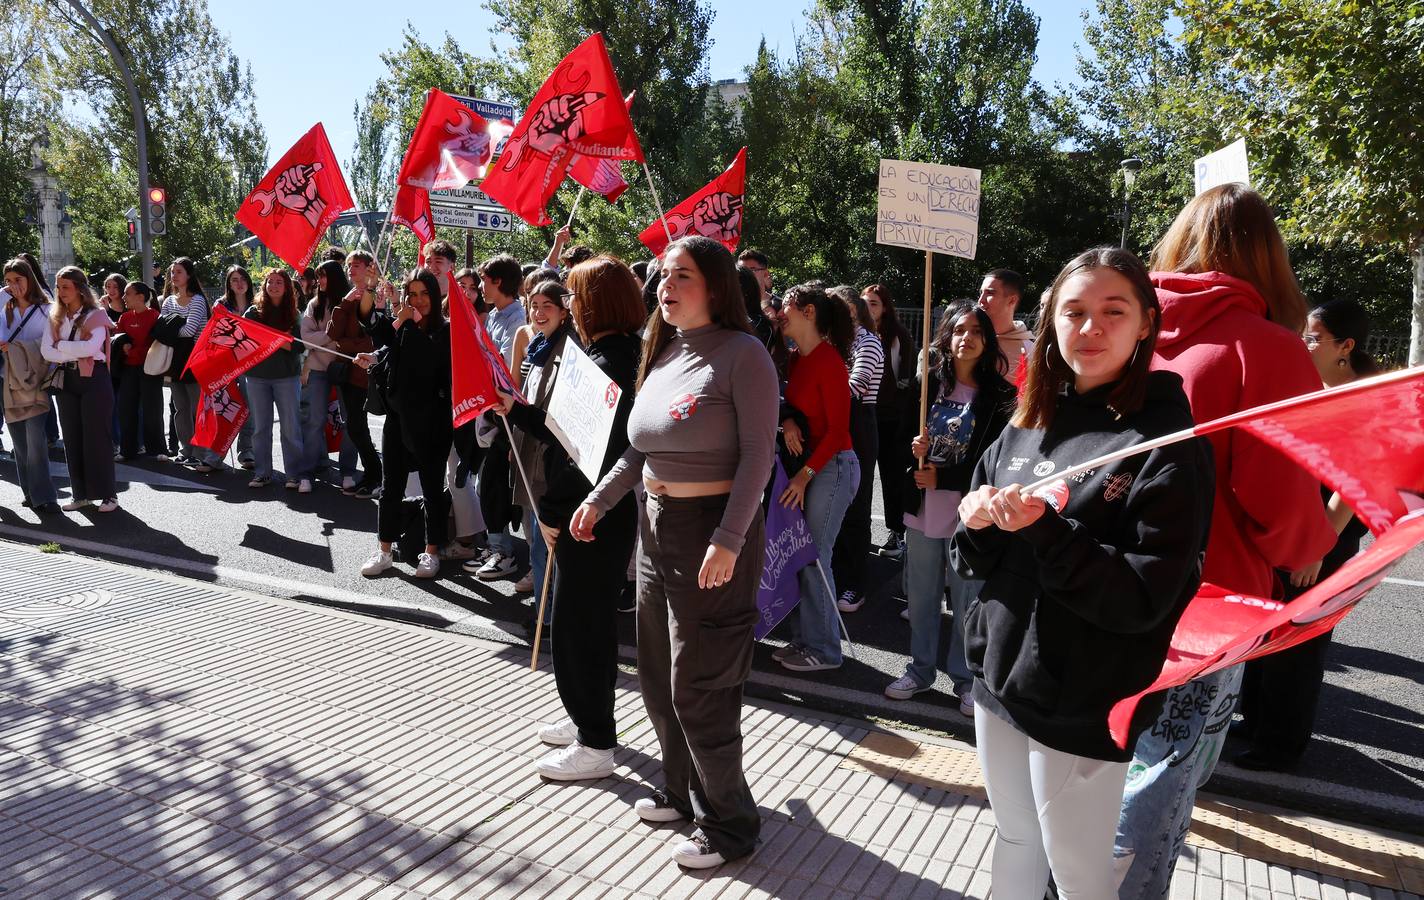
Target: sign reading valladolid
582, 407
925, 206
1223, 167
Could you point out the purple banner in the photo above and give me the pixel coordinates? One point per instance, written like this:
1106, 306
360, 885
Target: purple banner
789, 549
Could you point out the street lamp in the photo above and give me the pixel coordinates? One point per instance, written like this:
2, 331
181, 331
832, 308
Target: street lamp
145, 234
1130, 168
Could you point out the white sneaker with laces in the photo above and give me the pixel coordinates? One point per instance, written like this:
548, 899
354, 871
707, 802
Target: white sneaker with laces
904, 687
559, 734
427, 566
576, 763
696, 852
379, 562
497, 566
657, 809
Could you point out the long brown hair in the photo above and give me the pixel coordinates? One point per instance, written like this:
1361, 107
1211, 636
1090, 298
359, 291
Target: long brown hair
1230, 229
605, 298
285, 315
34, 294
87, 301
1048, 372
724, 298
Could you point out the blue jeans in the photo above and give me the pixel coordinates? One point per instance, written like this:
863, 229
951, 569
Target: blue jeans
1171, 760
244, 434
927, 573
828, 496
316, 393
32, 460
538, 559
262, 395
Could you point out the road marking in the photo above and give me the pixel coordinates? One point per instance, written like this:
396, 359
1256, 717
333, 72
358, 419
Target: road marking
1404, 581
287, 587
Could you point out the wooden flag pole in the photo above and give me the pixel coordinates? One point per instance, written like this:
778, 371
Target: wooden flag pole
662, 216
925, 347
570, 222
543, 601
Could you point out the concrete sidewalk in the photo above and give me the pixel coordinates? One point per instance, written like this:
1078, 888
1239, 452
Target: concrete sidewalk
165, 737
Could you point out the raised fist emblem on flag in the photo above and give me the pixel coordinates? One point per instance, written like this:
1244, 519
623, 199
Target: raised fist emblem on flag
717, 216
554, 124
297, 190
224, 404
229, 334
466, 141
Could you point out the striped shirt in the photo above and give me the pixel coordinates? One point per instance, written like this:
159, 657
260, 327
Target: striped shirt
867, 365
196, 312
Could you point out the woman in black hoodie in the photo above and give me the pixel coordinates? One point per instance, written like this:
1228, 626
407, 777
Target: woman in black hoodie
607, 311
1084, 581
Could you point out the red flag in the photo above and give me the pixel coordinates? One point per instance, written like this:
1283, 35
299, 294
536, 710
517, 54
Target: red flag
599, 174
221, 414
477, 367
715, 211
1379, 472
450, 147
297, 200
335, 426
412, 209
228, 346
578, 110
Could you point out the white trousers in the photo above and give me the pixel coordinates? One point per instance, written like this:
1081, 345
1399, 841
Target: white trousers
469, 520
1055, 812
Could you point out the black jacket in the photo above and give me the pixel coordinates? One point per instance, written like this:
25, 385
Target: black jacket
565, 486
992, 407
1078, 609
417, 382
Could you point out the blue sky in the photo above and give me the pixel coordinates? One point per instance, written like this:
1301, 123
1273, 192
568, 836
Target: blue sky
301, 78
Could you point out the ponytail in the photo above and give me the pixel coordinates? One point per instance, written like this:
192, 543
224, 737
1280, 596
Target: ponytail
833, 320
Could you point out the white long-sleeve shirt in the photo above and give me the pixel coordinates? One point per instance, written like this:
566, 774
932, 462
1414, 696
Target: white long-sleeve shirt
64, 350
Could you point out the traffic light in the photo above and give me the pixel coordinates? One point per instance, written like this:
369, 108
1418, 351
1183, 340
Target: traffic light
133, 234
157, 211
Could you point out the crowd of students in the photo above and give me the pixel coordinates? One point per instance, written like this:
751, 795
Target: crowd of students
1062, 601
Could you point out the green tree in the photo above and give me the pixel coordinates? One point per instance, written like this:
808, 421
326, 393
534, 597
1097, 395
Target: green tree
1335, 110
205, 145
23, 113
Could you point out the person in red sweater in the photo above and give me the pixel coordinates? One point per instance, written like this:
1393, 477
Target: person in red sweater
818, 390
1232, 315
140, 394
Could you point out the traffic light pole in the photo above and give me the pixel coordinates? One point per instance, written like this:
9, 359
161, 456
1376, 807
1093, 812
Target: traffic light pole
140, 132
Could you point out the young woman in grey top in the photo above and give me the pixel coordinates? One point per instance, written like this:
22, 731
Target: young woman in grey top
702, 435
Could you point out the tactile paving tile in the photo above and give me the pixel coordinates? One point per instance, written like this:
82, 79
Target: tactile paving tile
1373, 859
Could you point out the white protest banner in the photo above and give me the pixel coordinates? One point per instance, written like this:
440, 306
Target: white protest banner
581, 410
928, 207
1223, 167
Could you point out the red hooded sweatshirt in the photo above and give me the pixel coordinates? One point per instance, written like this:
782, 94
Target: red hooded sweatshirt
1268, 512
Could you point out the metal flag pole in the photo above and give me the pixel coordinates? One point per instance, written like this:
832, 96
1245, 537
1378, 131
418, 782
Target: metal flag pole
830, 593
662, 216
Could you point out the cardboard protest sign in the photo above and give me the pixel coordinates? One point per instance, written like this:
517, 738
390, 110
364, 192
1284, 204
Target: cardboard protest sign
925, 206
582, 408
1227, 165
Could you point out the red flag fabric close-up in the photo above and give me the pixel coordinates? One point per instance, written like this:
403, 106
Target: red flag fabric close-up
450, 147
228, 346
221, 414
297, 200
412, 209
601, 175
715, 211
476, 365
1378, 471
579, 110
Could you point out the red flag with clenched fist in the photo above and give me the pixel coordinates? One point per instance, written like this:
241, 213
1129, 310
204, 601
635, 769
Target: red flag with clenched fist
715, 211
297, 200
450, 147
477, 367
412, 209
221, 414
579, 110
228, 346
601, 175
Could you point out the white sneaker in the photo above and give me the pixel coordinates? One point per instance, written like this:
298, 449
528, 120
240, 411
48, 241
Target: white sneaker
427, 566
904, 687
379, 562
304, 486
657, 809
109, 505
696, 852
525, 585
576, 763
497, 566
560, 734
457, 550
73, 505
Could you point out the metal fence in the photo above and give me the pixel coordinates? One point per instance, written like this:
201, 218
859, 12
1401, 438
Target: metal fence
1390, 350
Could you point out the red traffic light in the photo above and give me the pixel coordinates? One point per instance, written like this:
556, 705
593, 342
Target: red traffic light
157, 195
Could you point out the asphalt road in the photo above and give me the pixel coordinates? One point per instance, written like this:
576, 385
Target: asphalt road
1367, 762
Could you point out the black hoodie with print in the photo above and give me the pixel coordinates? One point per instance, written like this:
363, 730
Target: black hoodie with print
1078, 609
